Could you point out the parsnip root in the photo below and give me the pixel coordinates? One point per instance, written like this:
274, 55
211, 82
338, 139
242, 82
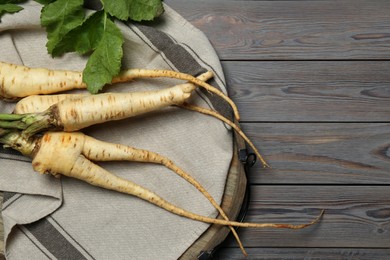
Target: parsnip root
230, 123
17, 81
70, 148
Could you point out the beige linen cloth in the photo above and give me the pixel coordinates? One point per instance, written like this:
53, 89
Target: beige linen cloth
48, 218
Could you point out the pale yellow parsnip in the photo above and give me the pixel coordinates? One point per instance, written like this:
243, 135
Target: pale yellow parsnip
79, 167
39, 103
97, 150
66, 148
76, 114
18, 81
72, 114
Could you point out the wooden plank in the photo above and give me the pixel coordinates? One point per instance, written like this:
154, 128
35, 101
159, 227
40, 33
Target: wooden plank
322, 153
304, 253
290, 30
1, 227
310, 90
355, 217
352, 213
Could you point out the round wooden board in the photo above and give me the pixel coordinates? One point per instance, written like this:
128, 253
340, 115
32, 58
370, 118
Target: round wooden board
232, 200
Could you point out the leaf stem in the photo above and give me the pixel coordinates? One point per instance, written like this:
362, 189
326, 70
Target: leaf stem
30, 123
13, 124
11, 117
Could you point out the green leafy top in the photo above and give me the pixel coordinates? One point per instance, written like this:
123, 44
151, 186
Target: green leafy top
69, 30
105, 61
136, 10
59, 18
9, 6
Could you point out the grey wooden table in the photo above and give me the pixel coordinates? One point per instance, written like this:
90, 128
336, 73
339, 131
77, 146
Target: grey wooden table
312, 82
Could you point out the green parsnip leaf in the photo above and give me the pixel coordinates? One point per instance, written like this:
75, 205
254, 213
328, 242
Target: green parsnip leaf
105, 61
136, 10
84, 38
2, 2
69, 31
9, 8
59, 18
44, 2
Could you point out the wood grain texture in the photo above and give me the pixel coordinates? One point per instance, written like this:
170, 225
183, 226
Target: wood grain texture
291, 30
344, 91
305, 253
1, 228
322, 153
355, 216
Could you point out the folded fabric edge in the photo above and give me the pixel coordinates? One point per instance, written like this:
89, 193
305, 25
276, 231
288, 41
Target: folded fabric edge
11, 221
23, 179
